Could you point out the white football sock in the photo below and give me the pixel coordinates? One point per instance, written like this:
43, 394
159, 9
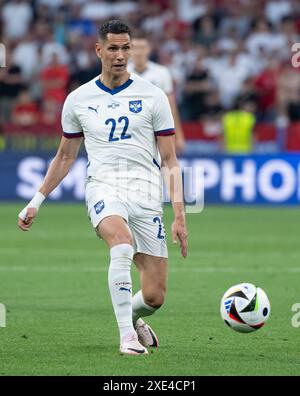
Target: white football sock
140, 308
120, 286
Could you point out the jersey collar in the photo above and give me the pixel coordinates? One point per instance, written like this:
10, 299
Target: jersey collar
115, 90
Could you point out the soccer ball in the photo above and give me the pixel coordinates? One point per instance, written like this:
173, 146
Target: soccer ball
245, 307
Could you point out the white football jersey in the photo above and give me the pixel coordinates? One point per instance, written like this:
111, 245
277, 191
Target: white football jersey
157, 74
119, 127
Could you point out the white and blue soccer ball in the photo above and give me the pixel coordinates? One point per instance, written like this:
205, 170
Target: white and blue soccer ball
245, 307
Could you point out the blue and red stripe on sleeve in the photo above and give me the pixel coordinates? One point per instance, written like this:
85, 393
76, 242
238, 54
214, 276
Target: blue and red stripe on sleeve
73, 135
165, 132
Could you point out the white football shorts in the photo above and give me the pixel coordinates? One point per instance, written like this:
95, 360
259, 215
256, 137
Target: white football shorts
146, 225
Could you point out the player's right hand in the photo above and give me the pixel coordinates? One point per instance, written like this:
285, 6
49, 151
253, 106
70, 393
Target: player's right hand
25, 221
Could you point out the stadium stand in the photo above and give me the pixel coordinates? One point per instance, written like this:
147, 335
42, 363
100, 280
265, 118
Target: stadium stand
218, 51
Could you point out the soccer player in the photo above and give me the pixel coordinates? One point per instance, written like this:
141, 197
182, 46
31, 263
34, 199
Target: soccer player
125, 122
158, 75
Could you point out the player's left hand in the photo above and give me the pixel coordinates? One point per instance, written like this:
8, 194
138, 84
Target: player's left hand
179, 232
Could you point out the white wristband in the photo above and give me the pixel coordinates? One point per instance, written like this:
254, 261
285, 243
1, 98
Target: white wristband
36, 202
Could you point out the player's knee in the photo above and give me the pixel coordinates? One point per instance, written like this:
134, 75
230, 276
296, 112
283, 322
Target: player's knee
155, 300
116, 238
119, 238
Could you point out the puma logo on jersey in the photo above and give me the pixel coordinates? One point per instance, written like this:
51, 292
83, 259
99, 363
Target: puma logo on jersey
95, 109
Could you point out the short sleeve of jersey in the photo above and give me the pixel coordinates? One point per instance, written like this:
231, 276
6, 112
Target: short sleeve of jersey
70, 123
163, 122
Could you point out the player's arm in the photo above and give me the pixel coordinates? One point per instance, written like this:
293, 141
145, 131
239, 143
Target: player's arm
172, 176
179, 138
168, 88
61, 164
59, 167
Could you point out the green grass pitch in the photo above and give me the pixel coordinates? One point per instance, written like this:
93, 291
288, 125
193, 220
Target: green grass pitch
53, 282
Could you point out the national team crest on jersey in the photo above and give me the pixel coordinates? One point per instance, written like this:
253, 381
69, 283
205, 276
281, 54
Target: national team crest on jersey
135, 106
99, 207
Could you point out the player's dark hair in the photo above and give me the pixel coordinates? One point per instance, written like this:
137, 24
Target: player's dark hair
114, 26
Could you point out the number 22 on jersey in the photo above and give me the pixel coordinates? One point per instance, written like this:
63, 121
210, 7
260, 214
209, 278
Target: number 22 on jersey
122, 120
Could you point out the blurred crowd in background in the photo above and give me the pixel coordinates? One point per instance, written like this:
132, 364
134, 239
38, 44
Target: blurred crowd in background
224, 55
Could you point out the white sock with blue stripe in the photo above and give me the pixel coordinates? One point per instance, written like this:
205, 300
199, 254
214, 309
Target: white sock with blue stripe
139, 308
120, 286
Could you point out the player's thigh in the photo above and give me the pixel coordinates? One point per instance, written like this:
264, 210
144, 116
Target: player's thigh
107, 213
114, 231
153, 272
